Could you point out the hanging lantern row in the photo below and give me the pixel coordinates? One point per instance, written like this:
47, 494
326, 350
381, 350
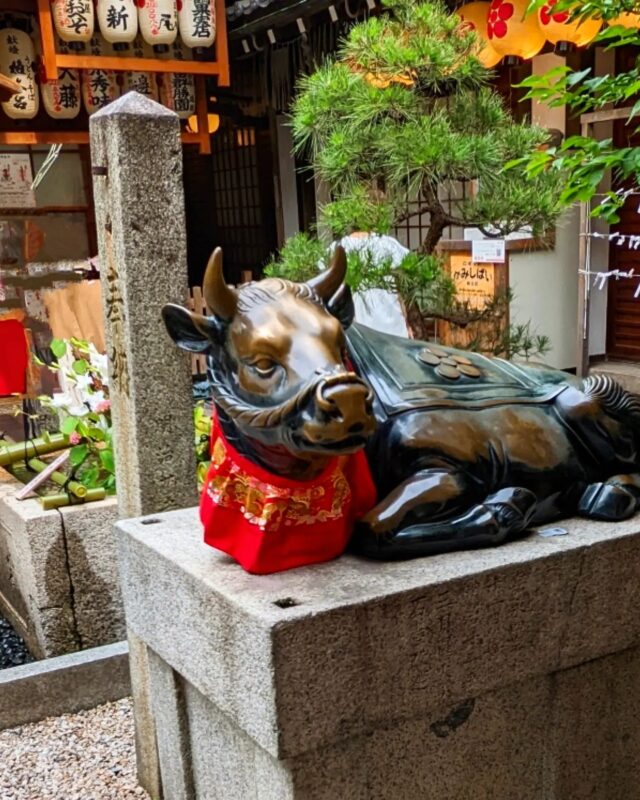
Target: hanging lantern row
505, 30
159, 22
93, 88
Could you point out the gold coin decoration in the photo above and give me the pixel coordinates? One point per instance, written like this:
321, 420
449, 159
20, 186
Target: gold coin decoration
461, 360
445, 371
429, 358
448, 365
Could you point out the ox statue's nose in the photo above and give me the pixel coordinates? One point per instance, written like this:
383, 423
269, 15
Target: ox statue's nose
344, 413
347, 403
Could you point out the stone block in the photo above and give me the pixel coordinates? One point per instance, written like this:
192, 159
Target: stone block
594, 729
449, 676
63, 685
93, 572
58, 573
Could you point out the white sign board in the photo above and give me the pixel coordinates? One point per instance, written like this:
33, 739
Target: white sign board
16, 178
488, 251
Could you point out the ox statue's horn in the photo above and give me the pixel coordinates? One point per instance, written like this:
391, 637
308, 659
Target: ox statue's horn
328, 282
221, 299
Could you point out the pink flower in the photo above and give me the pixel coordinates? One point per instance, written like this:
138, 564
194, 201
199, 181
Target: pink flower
103, 406
75, 438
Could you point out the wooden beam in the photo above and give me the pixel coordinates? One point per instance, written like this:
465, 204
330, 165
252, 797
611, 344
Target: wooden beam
203, 116
47, 39
605, 116
129, 64
44, 137
222, 43
7, 88
72, 137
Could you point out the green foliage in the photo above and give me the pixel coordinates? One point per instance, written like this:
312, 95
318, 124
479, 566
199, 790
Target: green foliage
303, 256
84, 411
421, 283
584, 161
405, 113
491, 334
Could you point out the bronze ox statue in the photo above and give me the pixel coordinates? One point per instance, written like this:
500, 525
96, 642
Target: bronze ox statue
464, 450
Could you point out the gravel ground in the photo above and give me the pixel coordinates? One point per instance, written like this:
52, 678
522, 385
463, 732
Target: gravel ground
84, 756
12, 649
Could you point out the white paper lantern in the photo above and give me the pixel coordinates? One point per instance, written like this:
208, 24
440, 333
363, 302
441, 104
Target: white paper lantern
73, 20
178, 92
17, 61
158, 21
118, 21
99, 86
62, 98
197, 22
142, 82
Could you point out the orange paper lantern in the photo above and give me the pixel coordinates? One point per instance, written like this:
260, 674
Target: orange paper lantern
474, 17
627, 19
561, 30
512, 32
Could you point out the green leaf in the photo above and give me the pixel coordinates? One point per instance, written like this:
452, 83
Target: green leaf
97, 434
90, 477
58, 347
69, 425
106, 457
78, 454
80, 366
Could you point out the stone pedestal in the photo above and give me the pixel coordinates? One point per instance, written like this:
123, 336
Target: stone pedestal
511, 673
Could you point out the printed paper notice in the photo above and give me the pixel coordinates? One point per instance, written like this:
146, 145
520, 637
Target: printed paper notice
488, 251
474, 285
16, 178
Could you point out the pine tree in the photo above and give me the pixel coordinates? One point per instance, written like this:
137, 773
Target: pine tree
405, 113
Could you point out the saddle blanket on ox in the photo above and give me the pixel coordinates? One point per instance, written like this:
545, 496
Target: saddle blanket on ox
471, 449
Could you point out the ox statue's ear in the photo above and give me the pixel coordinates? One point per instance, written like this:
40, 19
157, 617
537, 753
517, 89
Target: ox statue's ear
341, 306
190, 331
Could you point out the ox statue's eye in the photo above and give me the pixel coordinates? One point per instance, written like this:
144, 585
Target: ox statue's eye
265, 367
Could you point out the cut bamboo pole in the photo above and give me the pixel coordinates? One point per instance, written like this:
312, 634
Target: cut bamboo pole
32, 448
76, 488
59, 500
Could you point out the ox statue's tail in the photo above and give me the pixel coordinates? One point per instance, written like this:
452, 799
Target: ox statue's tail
614, 399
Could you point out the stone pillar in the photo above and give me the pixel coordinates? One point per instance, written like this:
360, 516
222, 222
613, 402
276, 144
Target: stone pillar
136, 158
511, 672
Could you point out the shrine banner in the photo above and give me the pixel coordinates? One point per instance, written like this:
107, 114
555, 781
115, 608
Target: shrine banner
14, 358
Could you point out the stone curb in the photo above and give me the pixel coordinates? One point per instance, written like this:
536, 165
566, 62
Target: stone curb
64, 685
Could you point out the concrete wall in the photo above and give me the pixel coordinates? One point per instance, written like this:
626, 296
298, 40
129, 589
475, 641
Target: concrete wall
545, 285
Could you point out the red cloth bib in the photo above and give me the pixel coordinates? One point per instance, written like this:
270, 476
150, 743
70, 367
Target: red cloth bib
14, 358
270, 524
